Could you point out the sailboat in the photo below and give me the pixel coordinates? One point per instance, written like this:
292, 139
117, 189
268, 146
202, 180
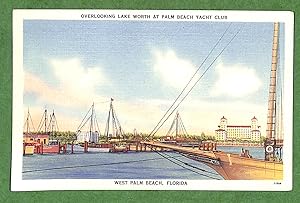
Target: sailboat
88, 133
113, 134
243, 167
237, 167
39, 142
28, 146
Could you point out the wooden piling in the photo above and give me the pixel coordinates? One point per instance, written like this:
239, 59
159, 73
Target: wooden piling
65, 148
72, 148
58, 147
85, 146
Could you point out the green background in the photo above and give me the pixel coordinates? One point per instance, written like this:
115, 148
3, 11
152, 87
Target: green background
7, 6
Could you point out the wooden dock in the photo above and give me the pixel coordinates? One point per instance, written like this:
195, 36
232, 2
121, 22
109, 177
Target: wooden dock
229, 166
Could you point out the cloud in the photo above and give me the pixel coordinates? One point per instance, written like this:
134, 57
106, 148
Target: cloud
235, 81
73, 91
197, 116
139, 114
76, 79
173, 70
75, 86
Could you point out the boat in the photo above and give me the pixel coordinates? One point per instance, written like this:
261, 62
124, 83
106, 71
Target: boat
89, 139
120, 148
98, 147
238, 166
52, 147
38, 142
243, 166
230, 166
28, 149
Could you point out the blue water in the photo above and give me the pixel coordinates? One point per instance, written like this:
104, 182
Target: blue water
131, 165
255, 152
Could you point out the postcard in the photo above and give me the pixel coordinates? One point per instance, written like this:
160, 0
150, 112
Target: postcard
152, 100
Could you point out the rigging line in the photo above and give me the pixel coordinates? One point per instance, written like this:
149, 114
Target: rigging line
80, 125
31, 122
208, 176
41, 123
171, 127
172, 132
113, 123
192, 77
26, 123
97, 125
199, 78
184, 129
118, 123
182, 126
48, 128
84, 123
107, 123
90, 165
201, 169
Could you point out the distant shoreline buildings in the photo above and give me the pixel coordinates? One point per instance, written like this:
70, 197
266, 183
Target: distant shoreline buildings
227, 132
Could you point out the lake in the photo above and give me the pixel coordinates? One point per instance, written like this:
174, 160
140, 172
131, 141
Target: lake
130, 165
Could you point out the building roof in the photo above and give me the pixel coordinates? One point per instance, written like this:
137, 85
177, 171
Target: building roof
35, 136
239, 126
220, 130
223, 117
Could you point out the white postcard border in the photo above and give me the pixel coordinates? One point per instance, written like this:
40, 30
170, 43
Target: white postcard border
18, 184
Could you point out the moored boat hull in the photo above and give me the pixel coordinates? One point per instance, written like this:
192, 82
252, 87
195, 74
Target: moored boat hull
234, 167
28, 150
98, 149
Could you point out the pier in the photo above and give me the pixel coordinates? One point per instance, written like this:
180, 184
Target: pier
229, 166
187, 150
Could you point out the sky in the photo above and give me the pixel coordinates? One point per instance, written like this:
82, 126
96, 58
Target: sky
143, 66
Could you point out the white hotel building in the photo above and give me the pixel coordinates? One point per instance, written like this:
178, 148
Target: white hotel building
227, 132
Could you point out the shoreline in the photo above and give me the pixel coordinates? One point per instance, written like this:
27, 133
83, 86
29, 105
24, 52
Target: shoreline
240, 145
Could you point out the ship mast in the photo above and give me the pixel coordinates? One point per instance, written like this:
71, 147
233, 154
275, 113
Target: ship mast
113, 124
180, 129
88, 129
271, 119
273, 146
27, 123
91, 124
52, 126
